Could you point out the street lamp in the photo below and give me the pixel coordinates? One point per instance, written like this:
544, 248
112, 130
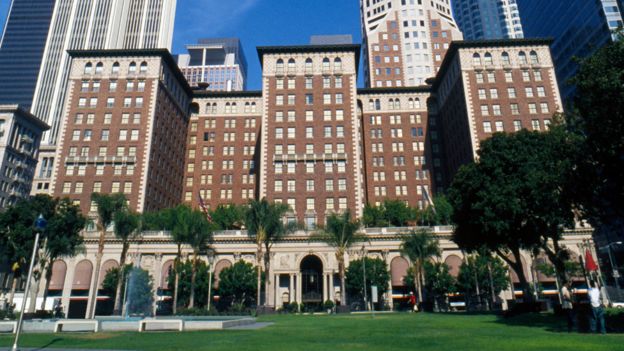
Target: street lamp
615, 271
364, 276
40, 224
211, 260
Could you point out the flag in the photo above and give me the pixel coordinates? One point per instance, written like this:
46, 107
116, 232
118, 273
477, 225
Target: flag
428, 199
204, 208
590, 263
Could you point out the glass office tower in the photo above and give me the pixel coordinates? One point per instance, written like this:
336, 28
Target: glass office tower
488, 19
579, 27
21, 49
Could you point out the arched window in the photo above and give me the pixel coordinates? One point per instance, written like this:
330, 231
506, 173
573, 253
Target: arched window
291, 65
228, 108
377, 104
488, 58
308, 65
476, 59
234, 108
410, 103
391, 104
279, 65
371, 104
417, 103
505, 58
99, 67
523, 58
143, 67
246, 107
253, 107
326, 64
208, 108
214, 108
397, 103
88, 69
115, 68
337, 64
534, 58
132, 67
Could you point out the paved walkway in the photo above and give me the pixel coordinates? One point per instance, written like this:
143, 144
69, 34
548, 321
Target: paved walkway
254, 326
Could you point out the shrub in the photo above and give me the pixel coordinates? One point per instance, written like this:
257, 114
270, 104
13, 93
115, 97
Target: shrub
329, 305
614, 319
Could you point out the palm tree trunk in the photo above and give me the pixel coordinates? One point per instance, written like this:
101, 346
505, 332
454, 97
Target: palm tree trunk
46, 289
418, 282
193, 277
120, 278
176, 270
96, 276
12, 292
267, 279
343, 289
259, 278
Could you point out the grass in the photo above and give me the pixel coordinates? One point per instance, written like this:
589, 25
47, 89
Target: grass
346, 332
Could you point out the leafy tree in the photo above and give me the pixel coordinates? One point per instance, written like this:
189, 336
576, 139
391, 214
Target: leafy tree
127, 227
419, 247
237, 285
598, 118
516, 196
140, 289
443, 210
185, 270
61, 237
376, 274
483, 276
341, 232
374, 216
439, 282
228, 217
398, 213
265, 225
199, 236
107, 206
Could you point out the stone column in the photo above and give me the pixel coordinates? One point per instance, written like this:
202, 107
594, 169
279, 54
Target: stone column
277, 286
332, 290
157, 278
67, 284
291, 297
325, 286
93, 284
299, 287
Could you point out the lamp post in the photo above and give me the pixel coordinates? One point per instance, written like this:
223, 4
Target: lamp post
40, 224
364, 276
211, 260
615, 272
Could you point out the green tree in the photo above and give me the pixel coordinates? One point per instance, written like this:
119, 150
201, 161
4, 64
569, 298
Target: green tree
140, 288
598, 118
517, 195
341, 232
228, 217
107, 206
439, 283
376, 274
419, 247
185, 270
199, 237
397, 213
265, 225
483, 277
374, 216
443, 210
237, 285
127, 227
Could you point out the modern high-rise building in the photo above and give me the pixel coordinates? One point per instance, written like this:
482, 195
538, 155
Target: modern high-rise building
405, 40
218, 62
488, 19
579, 28
90, 25
21, 49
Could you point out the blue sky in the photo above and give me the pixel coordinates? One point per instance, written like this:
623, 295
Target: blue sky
257, 23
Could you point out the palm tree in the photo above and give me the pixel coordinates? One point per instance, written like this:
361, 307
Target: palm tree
265, 224
199, 236
341, 233
127, 227
418, 247
107, 206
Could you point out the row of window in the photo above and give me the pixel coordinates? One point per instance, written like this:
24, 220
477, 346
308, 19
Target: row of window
227, 151
291, 83
309, 64
78, 187
110, 102
505, 58
99, 68
378, 161
394, 104
87, 134
229, 123
417, 132
401, 175
95, 85
309, 99
399, 147
515, 109
225, 165
330, 203
290, 185
291, 116
328, 132
118, 169
225, 194
211, 137
231, 108
517, 124
529, 92
400, 190
108, 118
491, 76
206, 179
328, 149
85, 151
398, 119
329, 166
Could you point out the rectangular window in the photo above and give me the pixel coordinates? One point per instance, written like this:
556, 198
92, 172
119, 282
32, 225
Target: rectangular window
487, 127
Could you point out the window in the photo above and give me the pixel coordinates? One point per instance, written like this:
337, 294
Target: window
535, 124
508, 77
308, 83
134, 135
291, 83
476, 59
108, 118
326, 64
514, 109
505, 58
291, 186
496, 110
327, 99
528, 91
130, 85
499, 126
522, 57
310, 185
517, 125
544, 107
339, 98
485, 110
138, 102
526, 77
127, 102
88, 69
488, 58
487, 127
105, 134
541, 92
494, 93
309, 99
309, 132
279, 83
308, 65
115, 68
482, 94
532, 108
143, 67
511, 92
132, 67
110, 102
337, 64
534, 58
278, 186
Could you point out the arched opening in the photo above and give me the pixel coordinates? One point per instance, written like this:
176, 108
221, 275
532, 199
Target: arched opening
311, 280
337, 64
80, 290
99, 67
488, 58
143, 68
398, 271
454, 263
476, 59
106, 267
132, 67
57, 281
505, 57
88, 69
218, 268
308, 65
166, 271
115, 68
326, 64
534, 58
523, 58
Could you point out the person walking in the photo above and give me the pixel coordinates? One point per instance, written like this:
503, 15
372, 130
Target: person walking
568, 305
595, 299
412, 301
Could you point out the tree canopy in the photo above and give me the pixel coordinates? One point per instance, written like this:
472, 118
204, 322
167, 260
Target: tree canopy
376, 275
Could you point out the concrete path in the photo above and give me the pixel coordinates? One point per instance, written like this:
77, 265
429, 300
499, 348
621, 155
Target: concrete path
254, 326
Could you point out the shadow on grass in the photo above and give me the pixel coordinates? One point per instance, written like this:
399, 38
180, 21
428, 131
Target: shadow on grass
545, 321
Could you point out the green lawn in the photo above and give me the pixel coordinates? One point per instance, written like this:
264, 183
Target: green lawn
346, 332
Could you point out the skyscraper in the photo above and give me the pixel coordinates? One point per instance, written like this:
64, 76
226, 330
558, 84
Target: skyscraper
21, 49
488, 19
219, 62
405, 40
579, 27
91, 25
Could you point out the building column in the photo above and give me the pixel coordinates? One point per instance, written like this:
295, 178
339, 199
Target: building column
332, 290
325, 287
68, 284
277, 285
299, 287
291, 297
389, 294
157, 277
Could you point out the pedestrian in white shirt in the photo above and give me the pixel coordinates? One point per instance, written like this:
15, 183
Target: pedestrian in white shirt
595, 299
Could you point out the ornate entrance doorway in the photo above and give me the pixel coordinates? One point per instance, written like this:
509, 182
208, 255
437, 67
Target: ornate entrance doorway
311, 280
